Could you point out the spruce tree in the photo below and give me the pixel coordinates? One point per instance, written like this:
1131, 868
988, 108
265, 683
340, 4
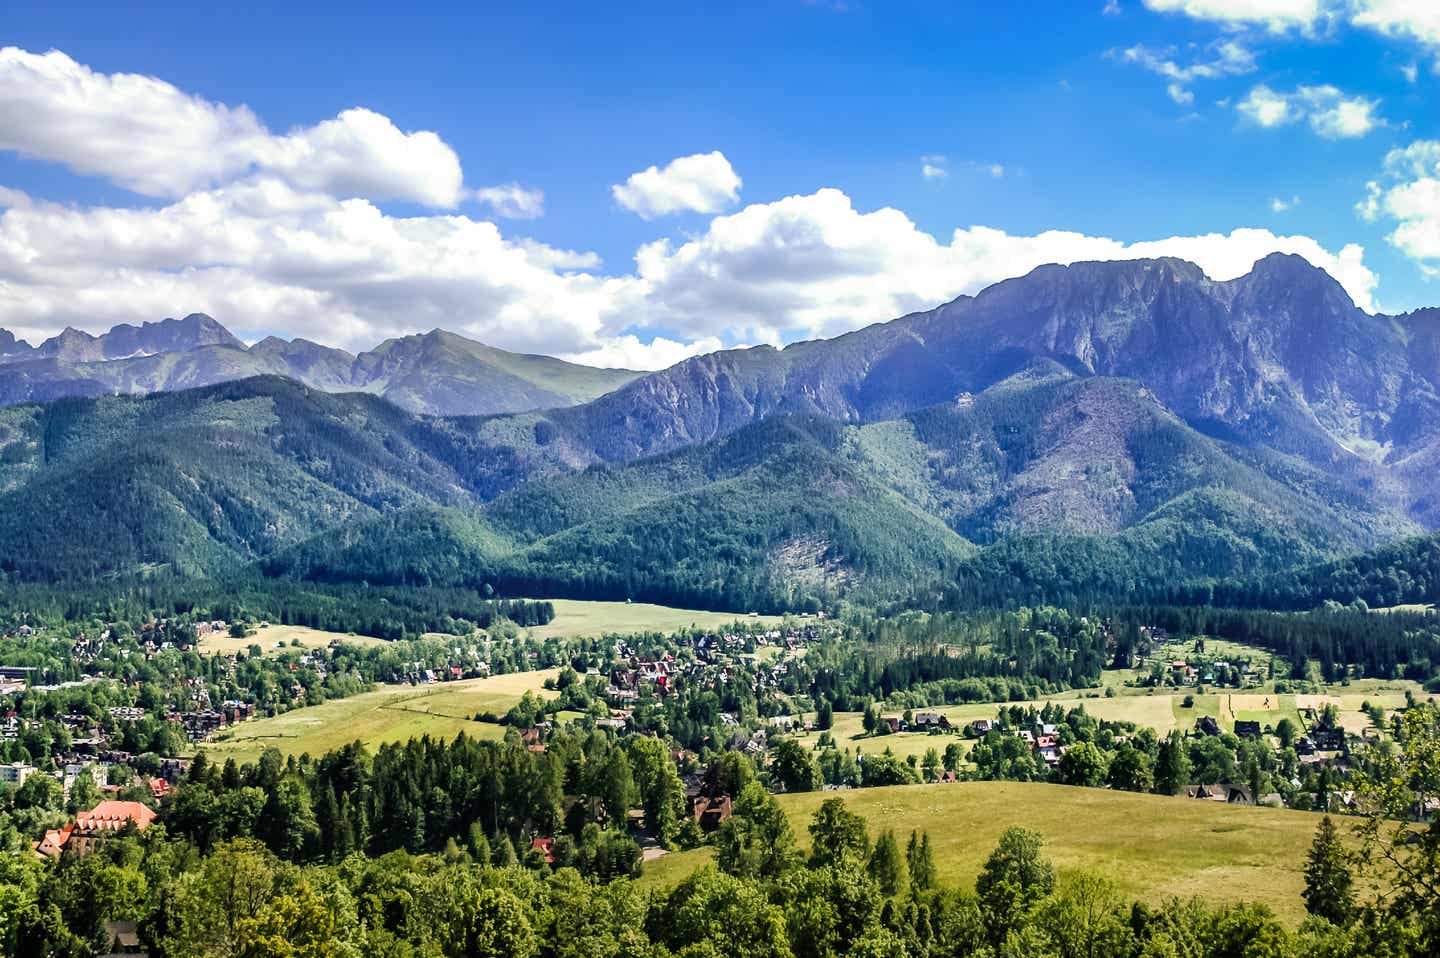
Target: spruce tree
1328, 881
887, 865
1172, 768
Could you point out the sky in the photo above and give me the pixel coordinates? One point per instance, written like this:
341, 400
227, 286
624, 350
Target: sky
629, 184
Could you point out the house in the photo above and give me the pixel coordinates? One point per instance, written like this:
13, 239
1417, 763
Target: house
1229, 794
124, 938
981, 727
546, 848
16, 772
1208, 725
91, 828
929, 720
710, 812
891, 722
1247, 729
1328, 739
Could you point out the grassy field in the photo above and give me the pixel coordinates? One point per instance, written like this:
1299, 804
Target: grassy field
1162, 710
273, 637
1152, 846
574, 617
393, 713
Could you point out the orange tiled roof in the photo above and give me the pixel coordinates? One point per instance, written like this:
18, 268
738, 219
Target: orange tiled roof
113, 816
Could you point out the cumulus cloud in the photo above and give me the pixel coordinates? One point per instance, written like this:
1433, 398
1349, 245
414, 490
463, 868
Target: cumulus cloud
1413, 20
702, 183
813, 265
1409, 193
152, 138
1280, 204
932, 167
1326, 108
1410, 19
286, 246
513, 201
1276, 15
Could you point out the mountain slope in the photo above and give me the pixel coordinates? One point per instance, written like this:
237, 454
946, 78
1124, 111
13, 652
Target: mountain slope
438, 372
1279, 359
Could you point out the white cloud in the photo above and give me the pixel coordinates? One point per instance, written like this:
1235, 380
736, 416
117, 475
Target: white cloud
1111, 8
932, 167
1410, 195
270, 248
1413, 20
1179, 94
702, 183
262, 258
628, 352
154, 139
1409, 19
513, 201
1280, 204
1411, 71
1328, 110
814, 266
1226, 58
1277, 15
1266, 107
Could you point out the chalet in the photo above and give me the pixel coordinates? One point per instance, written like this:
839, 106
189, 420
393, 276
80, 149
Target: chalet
545, 847
710, 812
891, 722
1328, 739
929, 720
1208, 725
1229, 794
1246, 729
124, 937
981, 727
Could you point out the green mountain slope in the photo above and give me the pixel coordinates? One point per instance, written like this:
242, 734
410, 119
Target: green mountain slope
1080, 486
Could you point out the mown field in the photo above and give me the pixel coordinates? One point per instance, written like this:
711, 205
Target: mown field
393, 713
575, 617
1160, 709
1152, 846
274, 639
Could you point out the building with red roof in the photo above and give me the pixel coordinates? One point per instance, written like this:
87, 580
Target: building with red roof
90, 828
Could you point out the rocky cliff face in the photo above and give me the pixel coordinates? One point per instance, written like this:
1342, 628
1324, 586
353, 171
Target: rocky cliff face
1280, 358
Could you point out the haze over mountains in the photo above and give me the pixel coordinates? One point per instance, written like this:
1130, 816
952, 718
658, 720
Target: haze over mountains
436, 372
1116, 425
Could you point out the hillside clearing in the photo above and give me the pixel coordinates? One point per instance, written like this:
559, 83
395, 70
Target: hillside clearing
392, 713
274, 639
575, 617
1152, 846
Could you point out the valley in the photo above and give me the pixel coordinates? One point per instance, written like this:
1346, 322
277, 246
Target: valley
1006, 564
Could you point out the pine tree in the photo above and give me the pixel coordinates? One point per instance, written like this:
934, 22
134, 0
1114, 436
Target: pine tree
921, 860
479, 844
1328, 880
887, 866
1172, 768
505, 856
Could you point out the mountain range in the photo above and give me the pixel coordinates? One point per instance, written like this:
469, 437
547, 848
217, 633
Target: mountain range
436, 372
1101, 429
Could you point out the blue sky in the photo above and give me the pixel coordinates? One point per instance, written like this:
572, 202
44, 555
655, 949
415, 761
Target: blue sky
1135, 121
